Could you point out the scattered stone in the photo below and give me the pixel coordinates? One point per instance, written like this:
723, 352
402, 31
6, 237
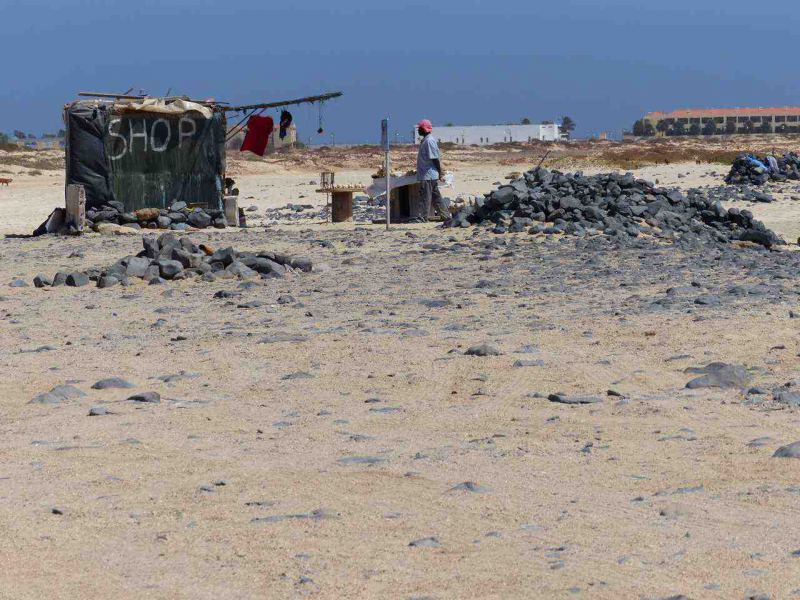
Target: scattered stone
788, 451
564, 399
111, 229
147, 214
199, 219
107, 281
385, 410
37, 350
302, 263
758, 391
168, 269
297, 375
361, 460
98, 411
719, 375
708, 300
77, 279
146, 397
136, 266
225, 256
240, 270
112, 383
469, 486
482, 350
251, 304
787, 397
759, 442
428, 542
315, 515
41, 281
518, 364
58, 394
282, 337
183, 375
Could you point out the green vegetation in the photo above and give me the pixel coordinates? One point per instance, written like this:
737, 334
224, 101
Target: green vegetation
567, 126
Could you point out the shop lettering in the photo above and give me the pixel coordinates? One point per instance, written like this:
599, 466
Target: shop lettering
155, 138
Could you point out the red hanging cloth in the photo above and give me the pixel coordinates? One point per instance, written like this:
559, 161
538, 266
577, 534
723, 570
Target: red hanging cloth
258, 131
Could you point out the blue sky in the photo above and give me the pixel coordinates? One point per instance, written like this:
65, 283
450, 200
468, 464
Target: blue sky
462, 61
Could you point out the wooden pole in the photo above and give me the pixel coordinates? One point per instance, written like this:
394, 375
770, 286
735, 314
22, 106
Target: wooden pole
306, 100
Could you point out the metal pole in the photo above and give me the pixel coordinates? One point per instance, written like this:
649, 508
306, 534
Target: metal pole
387, 164
388, 190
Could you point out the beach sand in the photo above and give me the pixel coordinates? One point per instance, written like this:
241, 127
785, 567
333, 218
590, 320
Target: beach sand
339, 443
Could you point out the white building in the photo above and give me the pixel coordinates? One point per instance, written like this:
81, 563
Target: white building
276, 143
485, 135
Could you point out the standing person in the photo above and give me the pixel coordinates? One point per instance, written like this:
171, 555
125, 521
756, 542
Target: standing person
429, 173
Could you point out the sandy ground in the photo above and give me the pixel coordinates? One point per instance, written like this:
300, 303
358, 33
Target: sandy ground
301, 447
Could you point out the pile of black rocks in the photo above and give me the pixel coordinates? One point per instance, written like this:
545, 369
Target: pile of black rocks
544, 201
168, 257
757, 170
178, 217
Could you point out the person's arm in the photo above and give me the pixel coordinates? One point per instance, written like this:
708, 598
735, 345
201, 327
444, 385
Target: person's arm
434, 156
438, 166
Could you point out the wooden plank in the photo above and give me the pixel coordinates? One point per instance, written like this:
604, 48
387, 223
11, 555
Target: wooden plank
130, 97
231, 205
76, 206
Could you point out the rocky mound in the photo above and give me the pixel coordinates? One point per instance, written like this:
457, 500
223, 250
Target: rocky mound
758, 170
543, 201
168, 257
735, 193
178, 217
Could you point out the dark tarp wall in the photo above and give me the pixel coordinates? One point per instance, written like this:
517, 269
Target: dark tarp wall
146, 159
87, 163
